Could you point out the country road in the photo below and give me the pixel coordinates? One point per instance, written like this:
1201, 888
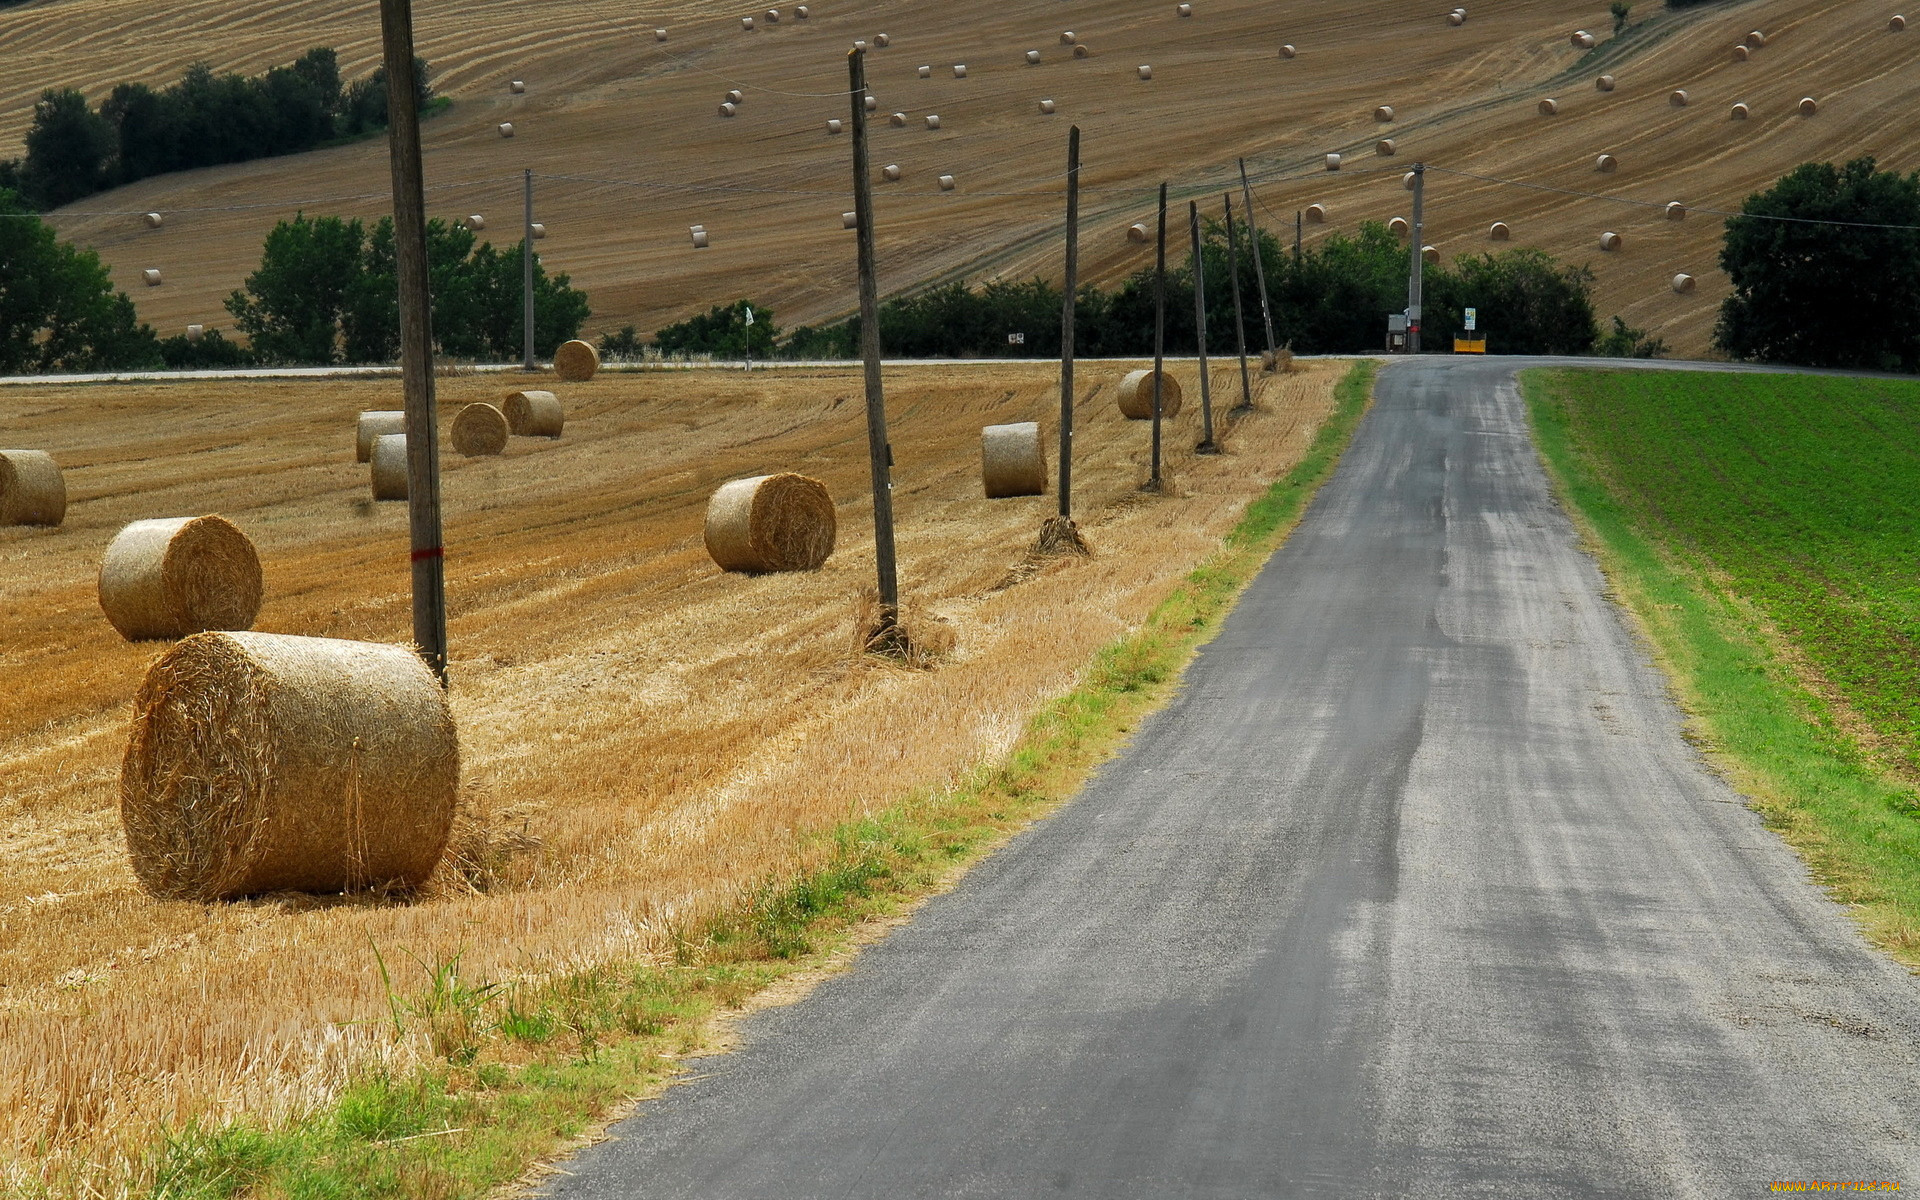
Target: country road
1414, 890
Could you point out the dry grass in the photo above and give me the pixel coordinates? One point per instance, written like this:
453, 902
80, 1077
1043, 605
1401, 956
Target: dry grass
644, 735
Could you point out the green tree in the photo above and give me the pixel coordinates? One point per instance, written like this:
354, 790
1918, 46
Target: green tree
1528, 303
69, 148
1826, 270
721, 331
1625, 341
58, 309
291, 308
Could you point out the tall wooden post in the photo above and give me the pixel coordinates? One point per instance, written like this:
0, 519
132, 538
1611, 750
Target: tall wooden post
1239, 318
1259, 263
1296, 236
879, 452
1206, 445
1417, 268
416, 337
1159, 332
526, 280
1066, 323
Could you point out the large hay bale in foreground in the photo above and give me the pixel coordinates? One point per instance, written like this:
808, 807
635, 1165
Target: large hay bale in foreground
576, 361
32, 490
779, 522
262, 762
371, 426
175, 576
1136, 395
1013, 460
390, 466
480, 430
535, 414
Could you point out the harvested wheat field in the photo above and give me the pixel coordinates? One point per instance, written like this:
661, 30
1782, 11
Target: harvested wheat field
644, 736
624, 133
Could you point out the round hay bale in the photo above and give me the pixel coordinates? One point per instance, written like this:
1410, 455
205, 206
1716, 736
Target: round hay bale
727, 108
1499, 232
1430, 254
1677, 97
1082, 51
517, 87
659, 35
264, 762
1316, 214
1383, 114
873, 104
1549, 107
1047, 106
890, 172
781, 522
1606, 164
1033, 57
174, 576
925, 72
1067, 38
476, 222
1139, 233
773, 16
372, 425
850, 220
196, 332
1808, 106
1676, 211
480, 431
1136, 395
152, 276
860, 44
1683, 283
882, 40
1384, 147
1333, 162
1013, 459
897, 119
154, 220
699, 235
946, 183
1609, 241
539, 230
737, 96
801, 12
1185, 10
32, 490
576, 361
959, 70
1896, 23
1456, 17
1739, 112
1741, 53
1756, 39
933, 120
390, 467
746, 23
1146, 71
535, 414
1604, 83
834, 125
1408, 180
506, 129
1583, 40
1398, 226
1288, 51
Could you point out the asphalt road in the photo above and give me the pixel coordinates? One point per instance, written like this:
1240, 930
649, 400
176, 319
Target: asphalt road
1415, 890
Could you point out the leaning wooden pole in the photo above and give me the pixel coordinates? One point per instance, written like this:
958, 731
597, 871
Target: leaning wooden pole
1239, 318
1206, 445
879, 452
1159, 332
527, 362
1259, 265
416, 337
1066, 323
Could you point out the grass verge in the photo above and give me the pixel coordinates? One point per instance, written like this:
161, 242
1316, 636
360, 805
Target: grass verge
519, 1070
1746, 689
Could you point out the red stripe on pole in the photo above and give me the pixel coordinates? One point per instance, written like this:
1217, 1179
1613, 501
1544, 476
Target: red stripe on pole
432, 552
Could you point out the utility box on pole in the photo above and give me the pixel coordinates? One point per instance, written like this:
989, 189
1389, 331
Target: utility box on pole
1396, 333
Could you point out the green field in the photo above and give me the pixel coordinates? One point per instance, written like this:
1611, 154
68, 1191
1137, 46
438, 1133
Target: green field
1763, 530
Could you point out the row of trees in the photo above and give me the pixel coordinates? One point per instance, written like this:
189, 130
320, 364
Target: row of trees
73, 151
58, 308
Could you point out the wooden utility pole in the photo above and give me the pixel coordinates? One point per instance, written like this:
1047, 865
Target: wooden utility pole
1418, 267
1296, 236
526, 280
1159, 333
879, 452
1066, 323
416, 337
1206, 445
1239, 318
1259, 263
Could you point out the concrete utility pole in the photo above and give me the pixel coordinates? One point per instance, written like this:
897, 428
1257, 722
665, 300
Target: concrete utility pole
526, 280
1259, 262
1066, 323
416, 337
1206, 445
1159, 333
1419, 259
879, 452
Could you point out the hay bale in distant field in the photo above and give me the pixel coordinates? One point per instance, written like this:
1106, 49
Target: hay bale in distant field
1082, 51
480, 430
1739, 112
1316, 214
1676, 211
372, 425
389, 474
773, 16
1289, 51
860, 44
539, 230
1582, 40
924, 72
882, 40
1678, 97
1604, 83
1333, 162
1047, 106
1741, 53
1146, 71
873, 104
1457, 17
890, 172
1499, 232
959, 70
1185, 10
1808, 106
261, 762
535, 413
781, 522
1398, 226
727, 108
1013, 460
1756, 39
1383, 114
834, 125
1136, 395
1408, 180
576, 361
154, 220
1430, 254
850, 220
476, 222
1549, 107
1067, 38
746, 23
174, 576
1033, 57
659, 35
32, 490
737, 96
933, 120
152, 276
801, 12
699, 235
517, 87
946, 183
897, 119
1683, 283
1609, 241
1384, 147
1606, 164
506, 129
1896, 23
196, 332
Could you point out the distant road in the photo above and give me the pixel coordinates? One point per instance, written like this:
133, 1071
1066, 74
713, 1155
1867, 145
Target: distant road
1413, 890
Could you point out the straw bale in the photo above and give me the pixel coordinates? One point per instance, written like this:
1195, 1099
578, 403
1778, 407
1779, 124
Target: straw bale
1430, 254
173, 576
959, 70
897, 119
1289, 50
1582, 40
933, 120
539, 230
575, 361
1896, 23
1408, 180
1499, 231
849, 220
890, 172
1398, 226
1739, 112
154, 220
1136, 395
737, 96
370, 426
1333, 162
389, 476
773, 16
1456, 18
1146, 71
946, 183
480, 430
659, 35
1033, 56
1316, 214
1741, 53
1609, 241
1604, 83
1549, 106
699, 235
1013, 460
860, 43
1756, 39
1047, 106
535, 414
1139, 233
1677, 97
727, 108
873, 104
802, 12
1808, 106
1683, 283
924, 72
1606, 163
1384, 147
506, 129
1081, 51
1185, 10
1676, 211
32, 490
782, 522
152, 276
476, 222
196, 332
264, 762
746, 23
517, 87
1384, 113
1067, 38
834, 125
882, 40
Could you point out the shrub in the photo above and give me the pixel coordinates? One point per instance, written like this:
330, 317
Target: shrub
58, 309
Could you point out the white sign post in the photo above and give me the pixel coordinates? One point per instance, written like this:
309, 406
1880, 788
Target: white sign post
1473, 319
750, 336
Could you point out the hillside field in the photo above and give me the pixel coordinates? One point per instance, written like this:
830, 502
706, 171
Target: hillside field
625, 134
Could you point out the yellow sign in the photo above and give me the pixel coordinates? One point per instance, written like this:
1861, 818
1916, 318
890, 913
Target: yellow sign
1469, 345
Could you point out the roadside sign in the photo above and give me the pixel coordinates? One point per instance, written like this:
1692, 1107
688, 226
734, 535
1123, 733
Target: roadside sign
1016, 339
1473, 319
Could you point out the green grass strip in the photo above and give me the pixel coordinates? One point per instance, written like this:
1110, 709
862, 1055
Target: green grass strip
1775, 739
482, 1114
